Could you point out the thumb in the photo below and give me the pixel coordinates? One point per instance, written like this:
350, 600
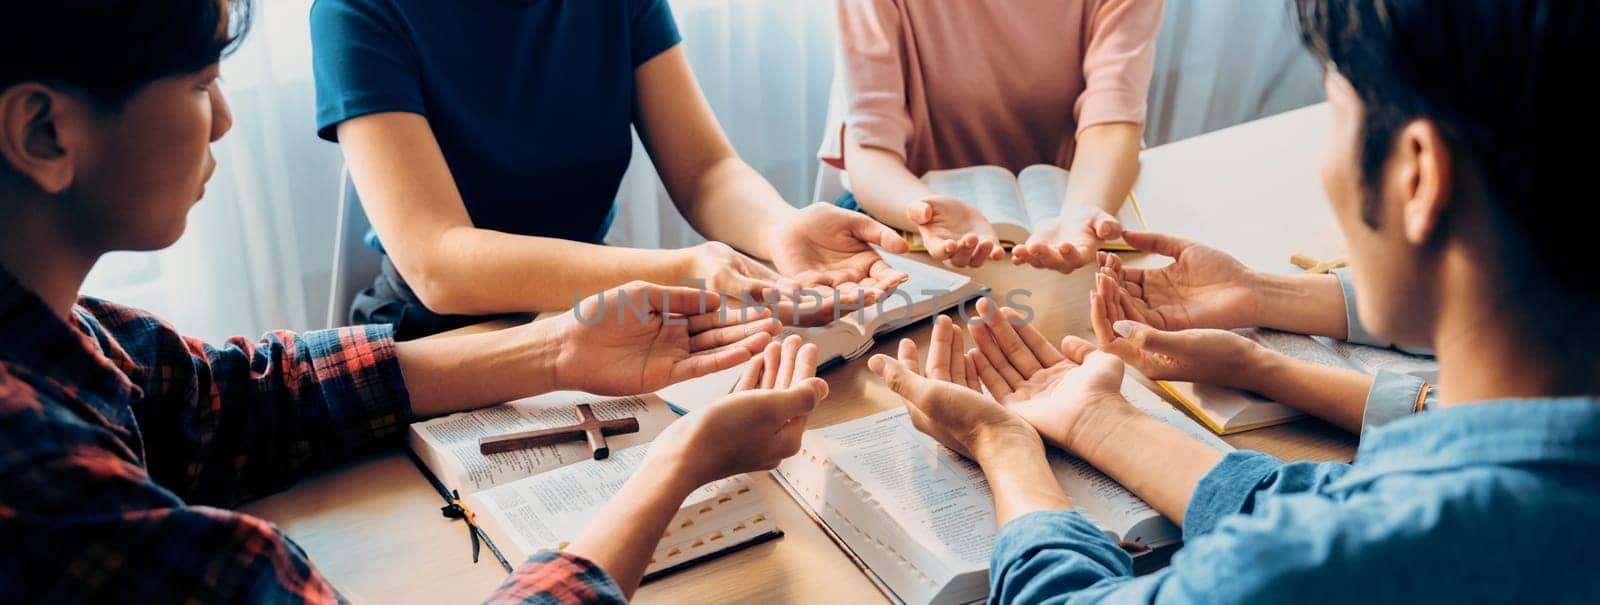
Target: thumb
800, 398
1144, 336
1101, 361
921, 212
902, 381
866, 229
1107, 227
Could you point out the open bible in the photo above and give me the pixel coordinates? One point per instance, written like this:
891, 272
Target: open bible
920, 518
1226, 411
538, 499
1018, 205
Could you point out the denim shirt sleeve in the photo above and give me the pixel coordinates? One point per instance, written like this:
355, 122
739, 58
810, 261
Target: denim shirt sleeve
1394, 396
1060, 557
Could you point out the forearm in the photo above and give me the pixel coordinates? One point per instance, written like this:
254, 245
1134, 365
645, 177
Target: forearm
1019, 477
527, 273
626, 532
1104, 166
728, 199
1333, 394
454, 373
1300, 303
1152, 459
884, 186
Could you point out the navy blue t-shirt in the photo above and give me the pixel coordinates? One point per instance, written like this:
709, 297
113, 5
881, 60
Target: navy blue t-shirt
531, 100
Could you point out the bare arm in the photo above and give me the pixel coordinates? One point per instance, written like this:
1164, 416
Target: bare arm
1104, 166
883, 185
720, 195
411, 198
1151, 458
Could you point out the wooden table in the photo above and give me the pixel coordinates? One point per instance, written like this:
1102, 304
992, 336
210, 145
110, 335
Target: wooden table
374, 528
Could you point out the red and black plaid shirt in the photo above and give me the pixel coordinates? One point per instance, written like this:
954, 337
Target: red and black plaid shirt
122, 442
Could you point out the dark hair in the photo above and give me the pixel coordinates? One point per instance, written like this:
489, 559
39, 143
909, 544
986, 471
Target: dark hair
109, 49
1503, 81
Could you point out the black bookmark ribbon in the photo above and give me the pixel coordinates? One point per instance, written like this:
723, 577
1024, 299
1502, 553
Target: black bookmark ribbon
457, 510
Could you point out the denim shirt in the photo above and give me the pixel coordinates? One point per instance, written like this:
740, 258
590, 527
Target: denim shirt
1488, 502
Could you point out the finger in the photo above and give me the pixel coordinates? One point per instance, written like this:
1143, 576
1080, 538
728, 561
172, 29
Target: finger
718, 359
920, 213
998, 387
791, 347
972, 371
1111, 298
773, 357
901, 378
1073, 256
673, 299
984, 340
1159, 243
1076, 349
1146, 337
1042, 349
956, 352
938, 367
963, 254
1016, 352
805, 362
888, 277
711, 339
1045, 257
802, 397
1100, 320
998, 251
730, 317
751, 378
865, 229
981, 252
1106, 227
908, 354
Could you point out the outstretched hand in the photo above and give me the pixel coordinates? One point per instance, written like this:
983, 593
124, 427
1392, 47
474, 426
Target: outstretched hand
1202, 288
830, 249
642, 337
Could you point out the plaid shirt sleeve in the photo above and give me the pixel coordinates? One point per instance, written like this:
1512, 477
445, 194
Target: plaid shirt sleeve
558, 579
84, 522
224, 424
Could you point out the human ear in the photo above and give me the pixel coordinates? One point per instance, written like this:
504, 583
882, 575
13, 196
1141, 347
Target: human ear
31, 136
1424, 171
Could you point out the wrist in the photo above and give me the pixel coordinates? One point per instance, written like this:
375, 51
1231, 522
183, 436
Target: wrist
1295, 303
671, 468
1096, 425
996, 443
540, 347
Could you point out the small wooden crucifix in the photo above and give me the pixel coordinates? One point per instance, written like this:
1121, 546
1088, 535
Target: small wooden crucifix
588, 426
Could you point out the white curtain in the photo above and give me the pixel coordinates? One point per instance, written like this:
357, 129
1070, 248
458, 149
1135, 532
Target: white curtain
766, 67
258, 248
1222, 62
257, 254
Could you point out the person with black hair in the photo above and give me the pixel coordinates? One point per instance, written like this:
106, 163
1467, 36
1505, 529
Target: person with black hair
1457, 143
122, 441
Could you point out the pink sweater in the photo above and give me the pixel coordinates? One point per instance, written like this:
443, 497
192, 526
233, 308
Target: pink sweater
953, 83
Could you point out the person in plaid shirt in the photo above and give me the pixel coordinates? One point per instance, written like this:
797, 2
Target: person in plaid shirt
122, 443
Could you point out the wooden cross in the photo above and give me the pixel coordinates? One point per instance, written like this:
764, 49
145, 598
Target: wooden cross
588, 426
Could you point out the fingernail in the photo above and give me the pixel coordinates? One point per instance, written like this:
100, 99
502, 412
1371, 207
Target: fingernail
1123, 328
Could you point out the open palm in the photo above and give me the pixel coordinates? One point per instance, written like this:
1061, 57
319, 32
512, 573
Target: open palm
642, 337
829, 247
1202, 288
